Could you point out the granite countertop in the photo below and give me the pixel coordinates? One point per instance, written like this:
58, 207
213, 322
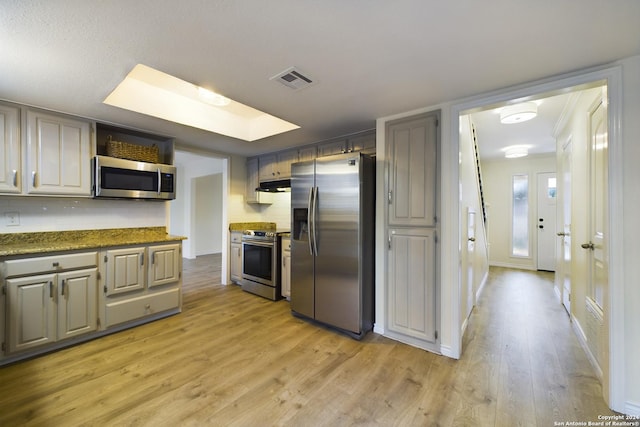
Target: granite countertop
55, 241
240, 226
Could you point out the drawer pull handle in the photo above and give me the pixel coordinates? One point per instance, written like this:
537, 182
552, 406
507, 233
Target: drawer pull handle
56, 264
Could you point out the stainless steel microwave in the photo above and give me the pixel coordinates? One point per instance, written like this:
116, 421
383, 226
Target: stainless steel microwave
129, 179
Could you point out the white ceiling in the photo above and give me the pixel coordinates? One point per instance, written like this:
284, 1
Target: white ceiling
536, 134
370, 58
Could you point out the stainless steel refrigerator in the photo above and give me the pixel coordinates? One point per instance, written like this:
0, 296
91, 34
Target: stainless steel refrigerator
332, 241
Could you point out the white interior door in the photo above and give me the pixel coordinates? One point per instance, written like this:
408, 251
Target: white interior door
598, 246
546, 221
564, 257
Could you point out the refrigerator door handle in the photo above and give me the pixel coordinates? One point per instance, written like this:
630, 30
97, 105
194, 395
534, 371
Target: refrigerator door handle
315, 208
310, 220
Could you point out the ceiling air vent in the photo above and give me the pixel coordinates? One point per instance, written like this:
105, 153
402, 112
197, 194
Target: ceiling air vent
293, 78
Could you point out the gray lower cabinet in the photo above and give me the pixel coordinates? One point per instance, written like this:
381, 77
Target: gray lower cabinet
140, 282
235, 258
49, 299
49, 302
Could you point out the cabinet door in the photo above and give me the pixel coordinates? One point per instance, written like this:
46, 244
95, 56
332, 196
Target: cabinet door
412, 154
253, 181
10, 159
236, 262
308, 153
77, 302
332, 147
31, 320
164, 264
365, 143
412, 284
285, 160
268, 167
58, 155
125, 270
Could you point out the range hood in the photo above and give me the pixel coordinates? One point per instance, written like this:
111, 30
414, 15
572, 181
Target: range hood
279, 186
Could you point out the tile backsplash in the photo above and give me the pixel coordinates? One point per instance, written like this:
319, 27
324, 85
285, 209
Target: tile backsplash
62, 214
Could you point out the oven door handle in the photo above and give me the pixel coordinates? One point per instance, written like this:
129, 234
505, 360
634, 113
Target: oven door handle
257, 243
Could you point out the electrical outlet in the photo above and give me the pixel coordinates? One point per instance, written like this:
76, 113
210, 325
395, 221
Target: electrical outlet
12, 218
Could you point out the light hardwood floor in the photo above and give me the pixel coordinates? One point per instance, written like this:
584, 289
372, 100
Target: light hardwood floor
235, 359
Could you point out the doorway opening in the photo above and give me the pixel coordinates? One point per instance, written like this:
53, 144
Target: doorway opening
554, 235
199, 210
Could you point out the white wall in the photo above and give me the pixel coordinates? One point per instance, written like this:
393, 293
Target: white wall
208, 214
497, 179
61, 214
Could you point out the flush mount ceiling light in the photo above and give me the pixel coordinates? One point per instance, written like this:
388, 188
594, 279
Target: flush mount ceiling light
518, 113
154, 93
516, 151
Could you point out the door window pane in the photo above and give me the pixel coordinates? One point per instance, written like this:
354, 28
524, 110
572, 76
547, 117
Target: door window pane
520, 219
551, 188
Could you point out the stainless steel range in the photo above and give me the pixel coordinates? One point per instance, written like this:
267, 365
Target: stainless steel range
261, 263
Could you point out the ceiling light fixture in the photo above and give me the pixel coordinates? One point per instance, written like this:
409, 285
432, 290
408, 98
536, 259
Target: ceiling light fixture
154, 93
518, 113
213, 98
516, 151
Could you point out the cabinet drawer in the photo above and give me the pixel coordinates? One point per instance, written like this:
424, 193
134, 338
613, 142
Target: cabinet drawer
286, 244
20, 267
135, 308
236, 237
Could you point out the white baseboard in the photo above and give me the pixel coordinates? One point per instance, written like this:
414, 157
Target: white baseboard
557, 292
378, 329
482, 284
464, 325
632, 408
582, 339
508, 265
445, 350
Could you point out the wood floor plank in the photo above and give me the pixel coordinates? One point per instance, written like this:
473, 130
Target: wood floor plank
235, 359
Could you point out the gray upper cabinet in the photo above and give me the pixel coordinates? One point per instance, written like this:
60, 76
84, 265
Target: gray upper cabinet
10, 159
58, 154
332, 147
253, 182
277, 166
412, 152
307, 153
365, 143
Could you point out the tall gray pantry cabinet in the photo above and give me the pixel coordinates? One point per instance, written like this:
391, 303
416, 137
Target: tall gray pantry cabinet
412, 153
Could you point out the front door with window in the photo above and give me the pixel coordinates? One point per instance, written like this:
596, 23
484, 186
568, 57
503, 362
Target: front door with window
546, 221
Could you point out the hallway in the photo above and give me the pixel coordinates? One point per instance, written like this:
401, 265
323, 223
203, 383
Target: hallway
521, 352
